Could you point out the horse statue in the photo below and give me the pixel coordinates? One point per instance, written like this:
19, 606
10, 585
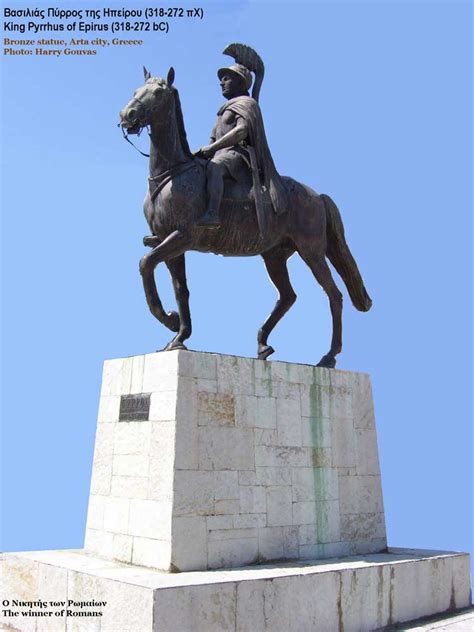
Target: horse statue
177, 199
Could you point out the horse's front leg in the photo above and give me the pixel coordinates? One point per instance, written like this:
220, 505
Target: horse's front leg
173, 246
177, 268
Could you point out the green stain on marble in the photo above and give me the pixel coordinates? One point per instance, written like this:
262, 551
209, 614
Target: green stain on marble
266, 389
265, 380
319, 473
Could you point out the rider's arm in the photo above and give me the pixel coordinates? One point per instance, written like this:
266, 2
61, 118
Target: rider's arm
233, 137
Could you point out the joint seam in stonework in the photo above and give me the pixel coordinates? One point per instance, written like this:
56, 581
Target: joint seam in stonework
235, 606
67, 595
340, 615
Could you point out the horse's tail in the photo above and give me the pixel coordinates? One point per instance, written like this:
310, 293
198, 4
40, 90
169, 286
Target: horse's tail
341, 257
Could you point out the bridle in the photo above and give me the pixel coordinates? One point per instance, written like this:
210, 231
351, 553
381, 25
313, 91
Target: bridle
125, 135
156, 183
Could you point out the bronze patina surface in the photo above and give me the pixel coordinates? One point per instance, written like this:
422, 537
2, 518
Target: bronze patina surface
229, 199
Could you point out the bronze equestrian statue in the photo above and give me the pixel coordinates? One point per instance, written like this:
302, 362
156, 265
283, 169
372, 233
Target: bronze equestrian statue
229, 199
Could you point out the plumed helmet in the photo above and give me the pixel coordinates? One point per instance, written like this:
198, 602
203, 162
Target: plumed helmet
240, 70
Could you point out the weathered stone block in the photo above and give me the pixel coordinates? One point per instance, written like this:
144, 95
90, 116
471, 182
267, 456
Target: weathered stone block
279, 506
250, 521
117, 377
109, 407
116, 515
360, 494
232, 552
159, 371
153, 553
194, 493
122, 547
95, 513
130, 438
278, 543
289, 422
150, 519
189, 543
273, 476
253, 500
215, 409
225, 448
304, 512
199, 609
362, 526
101, 480
162, 406
217, 523
130, 464
226, 485
130, 487
283, 605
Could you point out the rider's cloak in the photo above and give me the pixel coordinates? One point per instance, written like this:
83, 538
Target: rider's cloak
247, 108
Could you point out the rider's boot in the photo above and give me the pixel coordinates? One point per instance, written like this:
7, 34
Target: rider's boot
210, 219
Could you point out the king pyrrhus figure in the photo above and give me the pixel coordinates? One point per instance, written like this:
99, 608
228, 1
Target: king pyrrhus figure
238, 142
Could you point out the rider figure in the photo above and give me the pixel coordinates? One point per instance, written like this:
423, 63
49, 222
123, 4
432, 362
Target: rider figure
238, 138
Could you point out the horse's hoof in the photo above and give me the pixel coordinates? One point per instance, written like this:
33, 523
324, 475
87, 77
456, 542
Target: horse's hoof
151, 241
264, 351
172, 321
328, 361
172, 345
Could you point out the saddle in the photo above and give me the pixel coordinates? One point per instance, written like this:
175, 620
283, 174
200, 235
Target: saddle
245, 185
243, 189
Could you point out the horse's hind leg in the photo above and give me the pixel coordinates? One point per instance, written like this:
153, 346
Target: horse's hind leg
177, 270
319, 267
275, 262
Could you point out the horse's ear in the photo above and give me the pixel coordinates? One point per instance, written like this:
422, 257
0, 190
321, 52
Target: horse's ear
170, 77
146, 74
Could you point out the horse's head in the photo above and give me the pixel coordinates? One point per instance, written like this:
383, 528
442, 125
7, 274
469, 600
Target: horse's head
150, 103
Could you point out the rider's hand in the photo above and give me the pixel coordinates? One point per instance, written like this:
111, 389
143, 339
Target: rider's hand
205, 152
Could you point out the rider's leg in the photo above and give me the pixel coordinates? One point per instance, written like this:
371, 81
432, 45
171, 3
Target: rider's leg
215, 172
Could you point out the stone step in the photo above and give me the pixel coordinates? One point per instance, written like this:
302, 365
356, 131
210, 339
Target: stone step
462, 622
351, 594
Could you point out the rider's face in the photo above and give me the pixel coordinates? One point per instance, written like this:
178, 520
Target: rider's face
231, 85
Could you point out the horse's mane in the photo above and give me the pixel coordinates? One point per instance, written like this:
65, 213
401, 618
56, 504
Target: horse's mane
180, 121
179, 112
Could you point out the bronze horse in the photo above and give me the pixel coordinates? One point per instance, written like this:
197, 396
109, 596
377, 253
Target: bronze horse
176, 199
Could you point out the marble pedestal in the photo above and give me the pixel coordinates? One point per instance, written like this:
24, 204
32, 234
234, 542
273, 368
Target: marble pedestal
238, 461
205, 463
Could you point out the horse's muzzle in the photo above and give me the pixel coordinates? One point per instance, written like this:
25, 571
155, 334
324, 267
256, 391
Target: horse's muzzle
129, 121
131, 129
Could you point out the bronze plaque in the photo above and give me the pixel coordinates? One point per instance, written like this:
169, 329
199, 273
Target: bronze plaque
134, 407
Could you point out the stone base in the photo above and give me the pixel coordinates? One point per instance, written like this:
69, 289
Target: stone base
206, 461
356, 593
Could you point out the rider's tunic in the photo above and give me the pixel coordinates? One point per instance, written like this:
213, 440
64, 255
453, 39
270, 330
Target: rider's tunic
246, 108
231, 157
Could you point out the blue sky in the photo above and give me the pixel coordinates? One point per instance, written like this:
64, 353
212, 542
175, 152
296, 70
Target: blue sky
368, 102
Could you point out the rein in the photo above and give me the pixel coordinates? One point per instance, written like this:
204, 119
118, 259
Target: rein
125, 135
156, 183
